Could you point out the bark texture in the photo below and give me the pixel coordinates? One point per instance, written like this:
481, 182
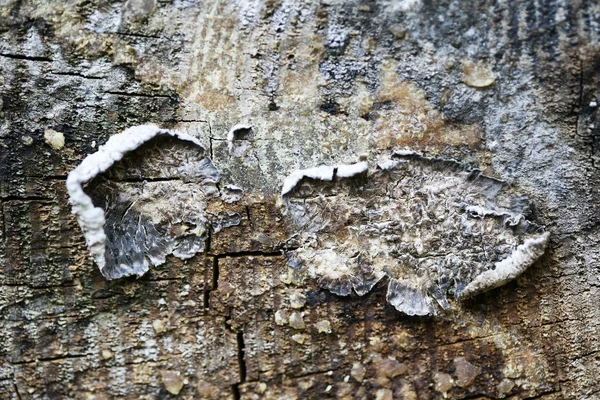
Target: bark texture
509, 87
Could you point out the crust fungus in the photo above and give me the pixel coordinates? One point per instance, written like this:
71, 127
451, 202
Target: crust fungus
136, 210
239, 139
435, 228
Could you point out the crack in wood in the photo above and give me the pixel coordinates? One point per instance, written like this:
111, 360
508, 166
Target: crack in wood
77, 74
27, 58
139, 35
133, 94
241, 364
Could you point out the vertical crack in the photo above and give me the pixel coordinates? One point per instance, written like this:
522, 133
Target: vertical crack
17, 391
205, 300
213, 284
580, 97
210, 139
236, 391
241, 354
248, 215
579, 106
242, 365
209, 287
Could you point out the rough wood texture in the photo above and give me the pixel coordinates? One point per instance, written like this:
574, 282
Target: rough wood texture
507, 86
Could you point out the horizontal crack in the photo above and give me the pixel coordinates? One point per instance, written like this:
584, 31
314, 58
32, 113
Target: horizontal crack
56, 177
140, 35
187, 120
142, 180
25, 198
76, 74
50, 359
159, 279
35, 287
247, 254
24, 57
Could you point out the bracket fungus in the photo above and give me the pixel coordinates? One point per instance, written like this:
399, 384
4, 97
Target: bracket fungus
435, 228
136, 209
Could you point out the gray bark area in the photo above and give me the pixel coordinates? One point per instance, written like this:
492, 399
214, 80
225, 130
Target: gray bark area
509, 87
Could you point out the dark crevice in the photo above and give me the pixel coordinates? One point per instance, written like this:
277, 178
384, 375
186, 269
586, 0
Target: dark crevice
241, 354
65, 357
77, 74
242, 365
54, 177
17, 391
186, 120
65, 247
213, 285
215, 281
23, 57
580, 97
140, 35
160, 279
36, 287
208, 241
205, 298
248, 214
142, 180
25, 198
210, 138
236, 391
138, 94
248, 254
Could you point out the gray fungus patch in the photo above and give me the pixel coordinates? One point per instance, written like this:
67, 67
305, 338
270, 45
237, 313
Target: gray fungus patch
135, 209
435, 228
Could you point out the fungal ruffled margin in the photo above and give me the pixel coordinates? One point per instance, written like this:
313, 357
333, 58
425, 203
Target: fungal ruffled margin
434, 227
323, 173
146, 244
237, 133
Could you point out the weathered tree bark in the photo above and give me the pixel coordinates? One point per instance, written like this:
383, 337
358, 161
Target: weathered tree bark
506, 86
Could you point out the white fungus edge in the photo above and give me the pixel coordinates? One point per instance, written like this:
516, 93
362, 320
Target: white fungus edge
231, 135
91, 218
323, 173
509, 268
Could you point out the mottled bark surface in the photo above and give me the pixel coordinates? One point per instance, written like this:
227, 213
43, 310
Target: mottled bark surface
507, 86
